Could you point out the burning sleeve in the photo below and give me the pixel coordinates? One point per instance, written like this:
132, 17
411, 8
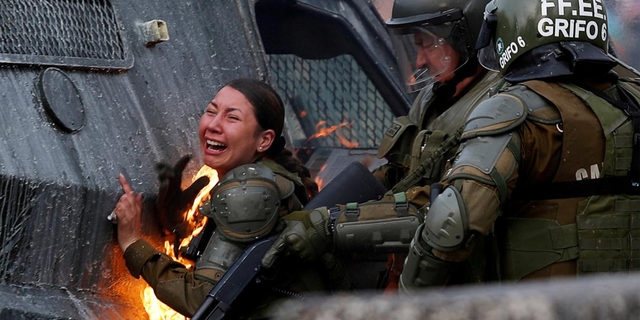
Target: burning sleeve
182, 289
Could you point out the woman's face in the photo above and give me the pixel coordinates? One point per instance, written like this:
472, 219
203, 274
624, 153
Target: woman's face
229, 132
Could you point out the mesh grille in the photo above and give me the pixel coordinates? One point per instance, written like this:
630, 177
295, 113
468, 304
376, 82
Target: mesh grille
336, 91
17, 198
61, 32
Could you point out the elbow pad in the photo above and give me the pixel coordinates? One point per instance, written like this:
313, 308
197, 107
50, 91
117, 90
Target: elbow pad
422, 268
446, 226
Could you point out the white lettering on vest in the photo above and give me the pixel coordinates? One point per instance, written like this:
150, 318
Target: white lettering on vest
584, 174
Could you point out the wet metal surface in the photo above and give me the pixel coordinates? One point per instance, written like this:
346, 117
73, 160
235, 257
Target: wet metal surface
58, 254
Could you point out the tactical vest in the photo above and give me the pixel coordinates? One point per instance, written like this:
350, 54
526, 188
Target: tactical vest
421, 143
415, 138
597, 233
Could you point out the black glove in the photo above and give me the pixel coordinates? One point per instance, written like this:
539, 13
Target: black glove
172, 201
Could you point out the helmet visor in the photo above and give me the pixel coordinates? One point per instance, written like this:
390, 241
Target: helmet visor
433, 53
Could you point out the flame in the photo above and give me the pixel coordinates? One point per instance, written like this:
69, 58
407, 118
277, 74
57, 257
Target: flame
323, 131
319, 180
156, 309
303, 114
346, 142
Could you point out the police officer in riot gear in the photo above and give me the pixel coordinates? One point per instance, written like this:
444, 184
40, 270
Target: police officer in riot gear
551, 162
443, 35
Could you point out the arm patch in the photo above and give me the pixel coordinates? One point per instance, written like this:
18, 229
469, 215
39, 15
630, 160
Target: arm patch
394, 138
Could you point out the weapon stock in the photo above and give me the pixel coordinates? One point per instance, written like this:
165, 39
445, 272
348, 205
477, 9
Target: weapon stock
243, 272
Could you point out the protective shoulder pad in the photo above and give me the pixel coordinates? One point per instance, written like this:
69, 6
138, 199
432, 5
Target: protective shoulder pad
446, 226
395, 133
540, 109
498, 114
287, 181
246, 202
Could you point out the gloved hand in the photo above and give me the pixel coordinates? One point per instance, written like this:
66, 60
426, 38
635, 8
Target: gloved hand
306, 236
172, 201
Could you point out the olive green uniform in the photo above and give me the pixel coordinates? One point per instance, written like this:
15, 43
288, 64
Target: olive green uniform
185, 289
552, 133
413, 139
418, 147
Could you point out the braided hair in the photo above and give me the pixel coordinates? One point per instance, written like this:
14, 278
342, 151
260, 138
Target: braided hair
269, 111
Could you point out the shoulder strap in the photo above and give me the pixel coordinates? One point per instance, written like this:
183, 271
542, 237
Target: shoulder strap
299, 188
579, 124
420, 171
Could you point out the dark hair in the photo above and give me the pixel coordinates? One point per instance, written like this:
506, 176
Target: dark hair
269, 111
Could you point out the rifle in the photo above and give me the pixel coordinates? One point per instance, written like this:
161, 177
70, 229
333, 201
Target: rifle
354, 184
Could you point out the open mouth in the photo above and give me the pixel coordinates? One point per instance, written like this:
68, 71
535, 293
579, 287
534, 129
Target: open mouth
216, 146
